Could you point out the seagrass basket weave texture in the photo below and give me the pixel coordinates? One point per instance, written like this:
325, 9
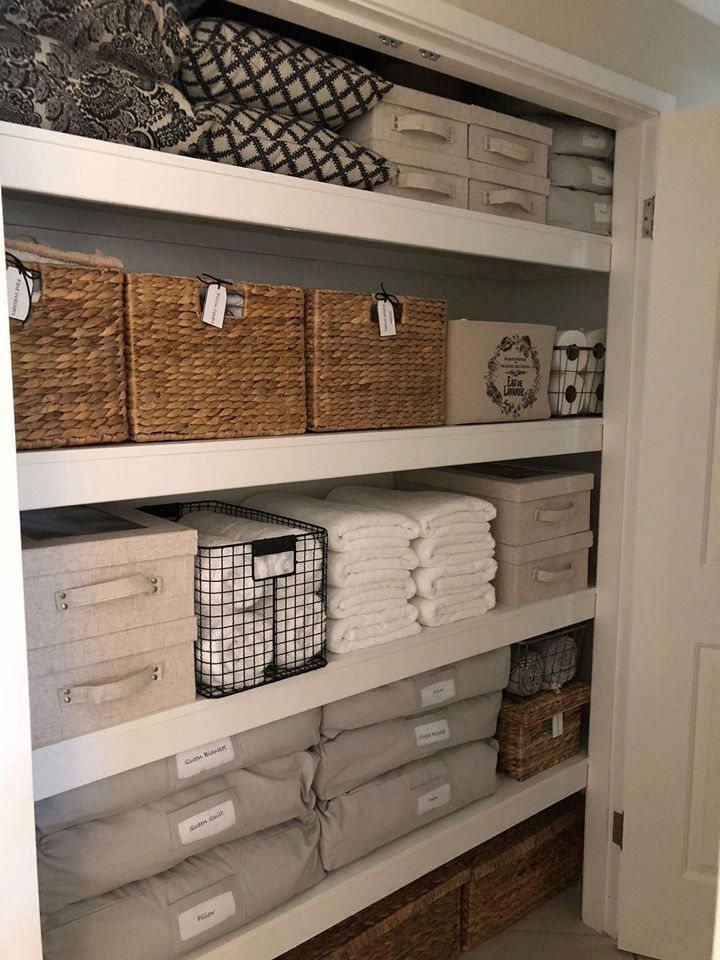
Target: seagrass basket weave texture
357, 379
522, 868
190, 380
67, 360
529, 739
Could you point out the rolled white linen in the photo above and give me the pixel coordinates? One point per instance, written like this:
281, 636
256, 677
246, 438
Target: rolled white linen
435, 582
358, 567
437, 513
355, 633
569, 339
227, 657
458, 606
353, 601
439, 551
565, 391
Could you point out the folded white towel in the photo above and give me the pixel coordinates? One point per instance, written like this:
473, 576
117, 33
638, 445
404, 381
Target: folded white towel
300, 632
435, 582
353, 601
460, 606
355, 633
358, 567
349, 526
435, 512
235, 655
440, 551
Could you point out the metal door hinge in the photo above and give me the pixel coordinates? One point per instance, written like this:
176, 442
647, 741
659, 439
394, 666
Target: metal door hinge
648, 222
618, 826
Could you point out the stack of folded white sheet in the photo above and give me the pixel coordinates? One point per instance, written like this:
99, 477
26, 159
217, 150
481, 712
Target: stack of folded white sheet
370, 585
454, 548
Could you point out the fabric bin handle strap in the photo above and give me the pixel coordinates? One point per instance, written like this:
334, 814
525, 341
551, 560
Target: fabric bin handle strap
423, 123
554, 576
94, 693
509, 149
508, 198
133, 586
554, 516
426, 183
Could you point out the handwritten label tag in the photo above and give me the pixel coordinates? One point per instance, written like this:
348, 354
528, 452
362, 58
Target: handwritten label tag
558, 725
602, 212
206, 915
429, 733
600, 177
386, 318
215, 304
18, 294
192, 762
207, 823
439, 692
433, 799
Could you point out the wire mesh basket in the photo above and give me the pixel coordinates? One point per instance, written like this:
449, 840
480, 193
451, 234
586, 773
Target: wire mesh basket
545, 663
577, 381
261, 604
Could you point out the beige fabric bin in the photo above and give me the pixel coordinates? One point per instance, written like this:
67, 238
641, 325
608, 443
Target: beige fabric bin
357, 756
509, 142
542, 570
425, 183
152, 781
93, 858
507, 193
87, 685
397, 803
497, 371
205, 897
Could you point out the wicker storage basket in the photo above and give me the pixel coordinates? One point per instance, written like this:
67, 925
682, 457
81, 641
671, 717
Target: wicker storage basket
67, 359
518, 870
357, 379
541, 731
188, 380
419, 922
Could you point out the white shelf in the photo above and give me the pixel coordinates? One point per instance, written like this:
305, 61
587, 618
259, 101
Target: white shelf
356, 886
48, 163
71, 763
49, 478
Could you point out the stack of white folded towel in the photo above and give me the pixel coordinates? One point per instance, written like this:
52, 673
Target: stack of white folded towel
369, 564
453, 547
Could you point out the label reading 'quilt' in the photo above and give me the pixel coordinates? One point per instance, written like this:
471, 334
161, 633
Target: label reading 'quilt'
207, 823
206, 915
433, 799
437, 693
429, 733
512, 379
192, 762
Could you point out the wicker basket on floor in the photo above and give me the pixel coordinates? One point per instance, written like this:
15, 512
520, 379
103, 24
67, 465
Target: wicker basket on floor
188, 380
358, 380
518, 870
538, 732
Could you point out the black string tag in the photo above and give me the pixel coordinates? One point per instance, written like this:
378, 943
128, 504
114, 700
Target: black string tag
386, 311
23, 288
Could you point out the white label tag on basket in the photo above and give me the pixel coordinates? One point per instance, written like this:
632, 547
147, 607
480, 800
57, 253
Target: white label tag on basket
206, 915
207, 823
215, 304
433, 799
602, 212
438, 692
209, 755
600, 177
593, 138
435, 732
386, 318
558, 725
18, 294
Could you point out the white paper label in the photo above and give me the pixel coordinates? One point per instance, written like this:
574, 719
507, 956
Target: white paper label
558, 725
18, 294
192, 762
600, 177
386, 318
439, 692
434, 799
207, 823
602, 213
215, 304
434, 732
593, 138
206, 915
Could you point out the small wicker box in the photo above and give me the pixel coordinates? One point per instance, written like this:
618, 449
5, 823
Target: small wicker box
189, 380
541, 731
518, 870
358, 380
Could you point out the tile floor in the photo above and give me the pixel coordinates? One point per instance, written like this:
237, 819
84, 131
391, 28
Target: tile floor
552, 932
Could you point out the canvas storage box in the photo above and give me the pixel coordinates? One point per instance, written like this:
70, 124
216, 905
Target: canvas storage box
539, 732
241, 376
538, 571
358, 379
520, 869
497, 371
68, 369
109, 617
509, 142
507, 193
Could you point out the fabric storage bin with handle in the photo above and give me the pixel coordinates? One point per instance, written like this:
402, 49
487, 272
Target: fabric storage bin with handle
109, 617
538, 571
374, 360
509, 142
66, 341
507, 193
209, 359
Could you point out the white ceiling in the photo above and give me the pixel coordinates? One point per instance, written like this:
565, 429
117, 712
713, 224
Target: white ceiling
710, 9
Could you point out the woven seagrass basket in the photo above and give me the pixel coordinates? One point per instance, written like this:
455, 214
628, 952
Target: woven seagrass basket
188, 380
67, 359
530, 739
358, 380
518, 870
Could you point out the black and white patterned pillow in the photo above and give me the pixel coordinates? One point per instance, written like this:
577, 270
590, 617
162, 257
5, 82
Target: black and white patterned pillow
243, 65
146, 36
43, 84
250, 138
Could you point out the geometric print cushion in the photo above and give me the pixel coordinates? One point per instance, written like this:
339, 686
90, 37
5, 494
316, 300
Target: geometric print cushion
246, 66
250, 138
147, 36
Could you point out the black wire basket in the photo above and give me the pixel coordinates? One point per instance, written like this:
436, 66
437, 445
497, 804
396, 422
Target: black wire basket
261, 605
545, 663
577, 381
